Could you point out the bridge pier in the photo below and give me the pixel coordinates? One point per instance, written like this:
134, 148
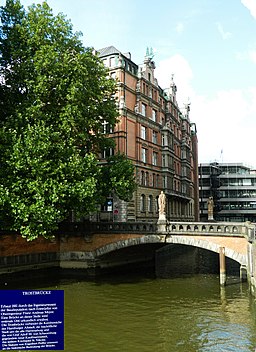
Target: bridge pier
243, 273
223, 277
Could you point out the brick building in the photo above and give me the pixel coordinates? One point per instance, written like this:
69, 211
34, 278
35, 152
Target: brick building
158, 138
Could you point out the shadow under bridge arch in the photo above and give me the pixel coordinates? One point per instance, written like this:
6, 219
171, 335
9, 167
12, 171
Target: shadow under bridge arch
235, 249
128, 251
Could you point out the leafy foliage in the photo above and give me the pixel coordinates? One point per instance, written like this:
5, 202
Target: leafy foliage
119, 177
54, 96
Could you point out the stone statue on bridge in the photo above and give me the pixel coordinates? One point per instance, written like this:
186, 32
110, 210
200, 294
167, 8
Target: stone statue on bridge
161, 206
210, 205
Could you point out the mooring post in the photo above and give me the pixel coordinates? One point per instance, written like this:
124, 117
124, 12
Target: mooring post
222, 267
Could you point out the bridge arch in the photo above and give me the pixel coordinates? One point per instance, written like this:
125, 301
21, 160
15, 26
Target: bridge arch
211, 246
128, 243
183, 240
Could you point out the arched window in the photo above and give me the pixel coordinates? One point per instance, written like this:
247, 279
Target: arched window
157, 180
142, 179
146, 179
150, 204
154, 180
142, 202
156, 204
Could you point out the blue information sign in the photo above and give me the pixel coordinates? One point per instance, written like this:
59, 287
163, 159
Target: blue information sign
31, 320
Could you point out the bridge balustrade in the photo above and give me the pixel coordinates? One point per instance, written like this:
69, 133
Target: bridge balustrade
78, 228
245, 229
213, 229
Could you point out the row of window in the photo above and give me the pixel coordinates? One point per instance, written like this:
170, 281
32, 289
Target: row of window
144, 134
156, 181
151, 93
233, 182
240, 205
238, 194
144, 112
176, 130
115, 61
145, 181
148, 203
144, 156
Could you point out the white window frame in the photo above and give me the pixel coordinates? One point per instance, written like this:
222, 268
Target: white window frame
143, 132
144, 155
154, 114
154, 158
143, 109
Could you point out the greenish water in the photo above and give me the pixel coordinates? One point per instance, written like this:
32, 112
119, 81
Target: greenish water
132, 313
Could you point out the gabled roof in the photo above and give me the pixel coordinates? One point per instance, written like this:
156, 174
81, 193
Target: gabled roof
110, 50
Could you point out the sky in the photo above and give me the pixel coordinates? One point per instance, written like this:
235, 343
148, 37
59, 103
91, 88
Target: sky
208, 45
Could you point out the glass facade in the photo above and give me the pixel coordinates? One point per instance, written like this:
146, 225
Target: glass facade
233, 188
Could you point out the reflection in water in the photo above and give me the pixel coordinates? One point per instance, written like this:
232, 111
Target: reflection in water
132, 313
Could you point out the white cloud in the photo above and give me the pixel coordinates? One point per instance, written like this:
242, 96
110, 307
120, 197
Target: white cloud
222, 124
249, 55
224, 35
178, 66
252, 56
179, 27
251, 6
225, 121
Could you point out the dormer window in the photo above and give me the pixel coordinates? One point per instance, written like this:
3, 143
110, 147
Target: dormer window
112, 62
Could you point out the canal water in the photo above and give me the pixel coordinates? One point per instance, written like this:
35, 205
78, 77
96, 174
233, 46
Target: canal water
138, 313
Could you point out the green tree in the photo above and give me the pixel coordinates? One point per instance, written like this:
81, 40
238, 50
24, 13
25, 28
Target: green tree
54, 96
118, 177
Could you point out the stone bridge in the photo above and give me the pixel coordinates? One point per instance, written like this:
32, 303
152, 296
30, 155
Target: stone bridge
211, 236
88, 246
230, 240
234, 237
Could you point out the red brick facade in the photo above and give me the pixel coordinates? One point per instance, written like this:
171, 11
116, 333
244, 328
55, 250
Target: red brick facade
159, 139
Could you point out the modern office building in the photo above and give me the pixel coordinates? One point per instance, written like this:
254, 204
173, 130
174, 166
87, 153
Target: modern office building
233, 188
157, 137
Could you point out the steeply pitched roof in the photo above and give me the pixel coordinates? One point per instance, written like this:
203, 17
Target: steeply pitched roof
110, 50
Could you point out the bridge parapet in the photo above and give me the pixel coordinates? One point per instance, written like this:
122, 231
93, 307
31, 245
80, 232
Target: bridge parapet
226, 229
89, 228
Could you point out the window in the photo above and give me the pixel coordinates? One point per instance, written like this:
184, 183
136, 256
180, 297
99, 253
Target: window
165, 182
164, 160
146, 178
154, 115
154, 137
157, 180
105, 62
143, 132
164, 142
142, 179
113, 74
142, 202
153, 180
107, 152
150, 204
154, 159
156, 204
112, 61
108, 205
106, 127
144, 155
143, 109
